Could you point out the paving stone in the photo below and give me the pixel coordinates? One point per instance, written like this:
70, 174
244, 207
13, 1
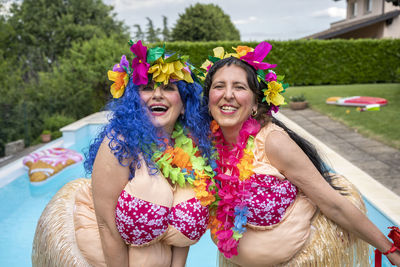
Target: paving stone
378, 160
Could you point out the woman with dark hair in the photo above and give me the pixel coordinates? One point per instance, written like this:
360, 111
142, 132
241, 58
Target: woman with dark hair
145, 205
276, 202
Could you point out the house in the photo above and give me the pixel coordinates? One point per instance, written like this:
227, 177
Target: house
365, 19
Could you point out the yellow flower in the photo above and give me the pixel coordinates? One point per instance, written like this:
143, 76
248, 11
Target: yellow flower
242, 50
206, 64
120, 80
163, 72
219, 52
272, 94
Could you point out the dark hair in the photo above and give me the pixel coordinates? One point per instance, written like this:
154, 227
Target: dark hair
263, 110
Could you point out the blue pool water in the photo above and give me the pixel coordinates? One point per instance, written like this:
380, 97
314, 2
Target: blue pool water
21, 205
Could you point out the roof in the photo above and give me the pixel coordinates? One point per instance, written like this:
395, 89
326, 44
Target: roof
358, 24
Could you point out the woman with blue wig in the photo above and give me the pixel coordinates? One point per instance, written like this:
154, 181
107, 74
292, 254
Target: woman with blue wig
147, 200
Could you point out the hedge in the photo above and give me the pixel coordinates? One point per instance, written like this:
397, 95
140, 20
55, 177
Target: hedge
316, 62
78, 85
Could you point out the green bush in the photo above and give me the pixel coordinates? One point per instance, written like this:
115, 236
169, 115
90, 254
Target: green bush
56, 121
298, 98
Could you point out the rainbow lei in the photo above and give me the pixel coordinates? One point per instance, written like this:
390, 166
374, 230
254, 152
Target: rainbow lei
229, 212
183, 164
150, 64
255, 57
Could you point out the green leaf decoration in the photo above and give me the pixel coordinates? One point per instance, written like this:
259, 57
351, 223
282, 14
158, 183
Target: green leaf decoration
198, 162
280, 78
285, 86
264, 99
180, 178
166, 170
260, 73
130, 42
172, 58
173, 174
213, 59
208, 169
154, 53
184, 59
236, 235
250, 142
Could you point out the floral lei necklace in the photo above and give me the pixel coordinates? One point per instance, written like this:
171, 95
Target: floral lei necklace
183, 164
234, 168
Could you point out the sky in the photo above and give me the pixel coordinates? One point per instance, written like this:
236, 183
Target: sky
256, 20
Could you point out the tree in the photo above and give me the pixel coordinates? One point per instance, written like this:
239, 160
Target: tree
46, 28
165, 32
139, 34
204, 22
151, 33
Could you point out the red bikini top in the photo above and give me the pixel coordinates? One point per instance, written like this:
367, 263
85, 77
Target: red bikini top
140, 222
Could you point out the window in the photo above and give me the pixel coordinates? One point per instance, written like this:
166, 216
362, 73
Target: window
368, 6
354, 9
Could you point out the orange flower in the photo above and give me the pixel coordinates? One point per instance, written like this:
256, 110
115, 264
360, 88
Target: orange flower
245, 165
214, 126
242, 50
181, 159
215, 225
120, 80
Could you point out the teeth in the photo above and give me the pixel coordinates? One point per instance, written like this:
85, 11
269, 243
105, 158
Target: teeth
228, 108
158, 108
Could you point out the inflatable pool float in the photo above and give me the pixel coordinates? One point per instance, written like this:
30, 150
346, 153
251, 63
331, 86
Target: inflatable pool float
59, 232
46, 163
356, 101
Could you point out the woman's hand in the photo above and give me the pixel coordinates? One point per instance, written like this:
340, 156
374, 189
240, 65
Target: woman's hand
108, 180
394, 257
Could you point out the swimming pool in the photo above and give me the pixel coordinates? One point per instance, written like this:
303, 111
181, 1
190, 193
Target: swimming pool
21, 205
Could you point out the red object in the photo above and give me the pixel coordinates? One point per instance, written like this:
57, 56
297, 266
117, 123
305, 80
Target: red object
395, 236
366, 100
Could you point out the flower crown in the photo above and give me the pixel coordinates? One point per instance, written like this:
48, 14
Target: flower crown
149, 64
255, 57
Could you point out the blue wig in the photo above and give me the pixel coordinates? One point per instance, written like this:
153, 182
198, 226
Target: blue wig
132, 133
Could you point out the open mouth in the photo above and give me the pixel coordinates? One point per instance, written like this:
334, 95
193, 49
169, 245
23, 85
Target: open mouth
158, 109
228, 109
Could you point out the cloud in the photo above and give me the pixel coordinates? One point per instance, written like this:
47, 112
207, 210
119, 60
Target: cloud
245, 21
332, 12
124, 5
6, 6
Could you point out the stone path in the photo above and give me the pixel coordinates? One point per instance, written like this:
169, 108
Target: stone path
378, 160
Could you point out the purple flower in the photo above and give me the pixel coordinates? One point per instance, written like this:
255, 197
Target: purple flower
256, 57
270, 76
123, 63
139, 65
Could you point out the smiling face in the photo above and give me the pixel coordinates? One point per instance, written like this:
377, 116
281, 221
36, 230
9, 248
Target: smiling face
164, 104
231, 100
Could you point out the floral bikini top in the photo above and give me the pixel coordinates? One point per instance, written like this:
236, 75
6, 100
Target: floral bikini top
150, 210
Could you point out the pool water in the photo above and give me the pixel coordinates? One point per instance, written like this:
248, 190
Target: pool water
21, 205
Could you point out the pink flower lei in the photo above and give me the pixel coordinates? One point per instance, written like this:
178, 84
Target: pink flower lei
230, 215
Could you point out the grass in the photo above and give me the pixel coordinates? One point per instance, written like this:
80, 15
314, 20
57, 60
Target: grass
383, 125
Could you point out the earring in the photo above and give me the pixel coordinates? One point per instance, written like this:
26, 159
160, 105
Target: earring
254, 113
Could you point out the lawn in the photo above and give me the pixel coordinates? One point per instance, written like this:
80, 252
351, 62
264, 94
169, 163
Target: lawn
383, 125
